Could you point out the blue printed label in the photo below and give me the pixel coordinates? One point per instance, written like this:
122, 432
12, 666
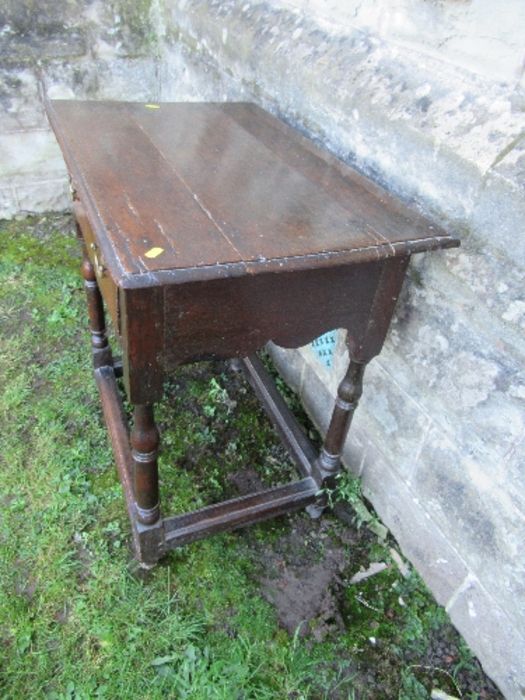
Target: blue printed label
323, 347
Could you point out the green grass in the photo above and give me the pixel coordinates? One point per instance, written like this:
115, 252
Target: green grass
77, 619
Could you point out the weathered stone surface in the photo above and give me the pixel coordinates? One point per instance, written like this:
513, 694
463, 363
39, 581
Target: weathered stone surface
124, 79
69, 48
487, 283
355, 451
475, 35
514, 466
493, 636
316, 398
184, 76
50, 195
498, 211
45, 17
8, 203
36, 31
19, 100
478, 517
420, 538
371, 90
475, 380
390, 417
30, 154
126, 24
47, 29
326, 375
28, 49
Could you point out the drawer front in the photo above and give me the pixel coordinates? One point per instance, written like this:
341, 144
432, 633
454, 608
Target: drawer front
107, 286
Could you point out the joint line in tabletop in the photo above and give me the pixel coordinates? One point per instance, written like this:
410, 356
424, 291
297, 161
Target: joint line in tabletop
189, 189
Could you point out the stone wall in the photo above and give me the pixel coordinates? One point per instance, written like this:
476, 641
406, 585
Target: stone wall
426, 97
73, 48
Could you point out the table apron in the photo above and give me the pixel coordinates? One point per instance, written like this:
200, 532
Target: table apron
164, 327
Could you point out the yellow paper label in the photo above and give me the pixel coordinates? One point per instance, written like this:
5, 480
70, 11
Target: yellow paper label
154, 252
152, 106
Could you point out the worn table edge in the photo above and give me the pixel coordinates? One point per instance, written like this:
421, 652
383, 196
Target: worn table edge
372, 253
290, 264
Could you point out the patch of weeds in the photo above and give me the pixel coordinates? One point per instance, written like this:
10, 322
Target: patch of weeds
348, 490
292, 400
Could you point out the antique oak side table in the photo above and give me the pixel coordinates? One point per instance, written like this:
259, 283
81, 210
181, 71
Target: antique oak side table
208, 230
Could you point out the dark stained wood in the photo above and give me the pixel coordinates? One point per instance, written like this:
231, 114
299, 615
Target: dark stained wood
348, 395
148, 541
145, 445
92, 252
234, 317
365, 343
117, 427
208, 230
97, 322
151, 542
215, 185
143, 332
382, 216
239, 512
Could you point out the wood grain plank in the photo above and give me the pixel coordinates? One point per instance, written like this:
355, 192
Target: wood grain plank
219, 189
140, 201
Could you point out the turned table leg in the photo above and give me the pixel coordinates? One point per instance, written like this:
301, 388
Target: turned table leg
328, 463
97, 322
145, 443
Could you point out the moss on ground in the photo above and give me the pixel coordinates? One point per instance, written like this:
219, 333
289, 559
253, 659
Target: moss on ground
77, 620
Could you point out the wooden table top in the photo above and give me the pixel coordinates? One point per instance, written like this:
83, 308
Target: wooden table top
203, 190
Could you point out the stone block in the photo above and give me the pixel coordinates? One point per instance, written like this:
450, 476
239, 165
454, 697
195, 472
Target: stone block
514, 467
131, 79
104, 79
126, 26
510, 165
369, 103
290, 364
316, 397
47, 195
466, 381
420, 539
498, 212
492, 635
57, 28
8, 203
477, 516
30, 155
391, 419
486, 281
20, 106
475, 37
47, 20
41, 44
184, 76
355, 451
341, 357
